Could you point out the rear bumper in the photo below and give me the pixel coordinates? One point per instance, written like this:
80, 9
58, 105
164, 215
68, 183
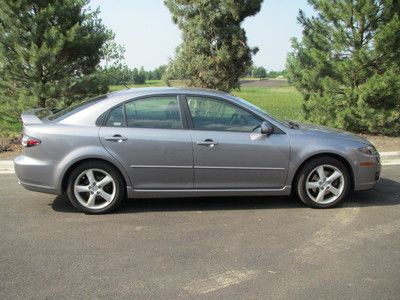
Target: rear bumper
38, 188
35, 175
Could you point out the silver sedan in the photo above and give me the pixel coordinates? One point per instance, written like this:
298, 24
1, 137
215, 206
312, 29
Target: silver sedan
177, 142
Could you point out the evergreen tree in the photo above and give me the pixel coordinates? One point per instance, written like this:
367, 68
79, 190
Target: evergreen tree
214, 53
49, 50
347, 64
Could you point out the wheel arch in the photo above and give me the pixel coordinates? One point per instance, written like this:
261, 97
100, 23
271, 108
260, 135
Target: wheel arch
339, 157
64, 181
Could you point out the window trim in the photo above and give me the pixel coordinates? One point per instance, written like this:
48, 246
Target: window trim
231, 103
178, 97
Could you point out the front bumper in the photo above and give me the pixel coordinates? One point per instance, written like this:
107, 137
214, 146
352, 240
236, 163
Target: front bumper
367, 176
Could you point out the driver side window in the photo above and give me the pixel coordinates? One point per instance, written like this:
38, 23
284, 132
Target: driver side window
212, 114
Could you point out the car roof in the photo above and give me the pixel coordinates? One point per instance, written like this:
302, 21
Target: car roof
166, 90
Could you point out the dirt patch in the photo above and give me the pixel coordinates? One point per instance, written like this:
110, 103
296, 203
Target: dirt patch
8, 155
384, 143
9, 148
268, 83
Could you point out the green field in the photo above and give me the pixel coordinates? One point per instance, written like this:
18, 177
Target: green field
282, 100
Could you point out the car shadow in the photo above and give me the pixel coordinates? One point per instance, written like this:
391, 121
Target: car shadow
387, 192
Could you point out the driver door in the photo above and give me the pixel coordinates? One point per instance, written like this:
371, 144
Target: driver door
229, 153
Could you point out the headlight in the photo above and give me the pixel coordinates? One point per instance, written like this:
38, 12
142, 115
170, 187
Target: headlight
370, 150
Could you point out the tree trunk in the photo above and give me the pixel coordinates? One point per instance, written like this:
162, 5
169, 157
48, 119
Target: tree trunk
41, 102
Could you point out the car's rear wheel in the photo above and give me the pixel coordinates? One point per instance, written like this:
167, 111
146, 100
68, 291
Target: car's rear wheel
323, 182
96, 187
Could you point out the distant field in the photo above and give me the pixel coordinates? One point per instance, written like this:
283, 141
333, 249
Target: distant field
283, 102
274, 96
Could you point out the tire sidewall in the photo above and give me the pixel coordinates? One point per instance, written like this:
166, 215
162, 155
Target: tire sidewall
300, 184
114, 173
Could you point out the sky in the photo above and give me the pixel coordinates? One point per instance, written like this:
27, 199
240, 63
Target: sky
145, 29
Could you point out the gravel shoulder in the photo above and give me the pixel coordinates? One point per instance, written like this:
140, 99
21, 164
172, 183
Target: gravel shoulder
384, 143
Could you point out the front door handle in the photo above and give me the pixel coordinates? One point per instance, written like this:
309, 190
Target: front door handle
116, 138
208, 143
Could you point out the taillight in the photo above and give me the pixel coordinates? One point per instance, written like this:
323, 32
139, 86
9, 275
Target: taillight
28, 141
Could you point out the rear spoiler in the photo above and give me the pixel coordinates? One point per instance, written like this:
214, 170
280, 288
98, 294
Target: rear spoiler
35, 116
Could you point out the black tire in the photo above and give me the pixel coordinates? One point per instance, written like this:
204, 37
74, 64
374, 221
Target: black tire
300, 181
120, 187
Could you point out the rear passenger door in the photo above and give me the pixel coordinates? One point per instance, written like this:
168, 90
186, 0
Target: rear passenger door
147, 136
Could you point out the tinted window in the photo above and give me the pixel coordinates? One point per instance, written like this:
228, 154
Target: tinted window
211, 114
116, 118
158, 112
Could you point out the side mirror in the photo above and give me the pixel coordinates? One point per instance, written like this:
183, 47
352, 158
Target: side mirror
266, 128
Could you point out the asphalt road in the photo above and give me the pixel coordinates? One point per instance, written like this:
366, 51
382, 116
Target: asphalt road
232, 248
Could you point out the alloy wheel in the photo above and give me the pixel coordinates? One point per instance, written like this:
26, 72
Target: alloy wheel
94, 188
325, 184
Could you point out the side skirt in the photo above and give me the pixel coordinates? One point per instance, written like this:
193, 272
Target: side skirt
285, 191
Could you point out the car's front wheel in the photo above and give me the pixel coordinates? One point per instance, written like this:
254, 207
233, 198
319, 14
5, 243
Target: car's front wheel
323, 182
96, 187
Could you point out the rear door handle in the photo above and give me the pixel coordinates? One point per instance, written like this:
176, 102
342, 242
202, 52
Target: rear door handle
208, 143
116, 138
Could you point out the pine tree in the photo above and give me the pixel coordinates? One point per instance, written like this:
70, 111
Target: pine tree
48, 51
347, 65
214, 53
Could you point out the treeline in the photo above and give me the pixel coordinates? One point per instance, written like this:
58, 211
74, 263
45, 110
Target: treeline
123, 75
261, 72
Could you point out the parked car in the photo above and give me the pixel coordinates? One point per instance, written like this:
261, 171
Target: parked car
178, 142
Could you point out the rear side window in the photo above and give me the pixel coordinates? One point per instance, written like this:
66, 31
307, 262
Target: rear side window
159, 112
154, 112
116, 118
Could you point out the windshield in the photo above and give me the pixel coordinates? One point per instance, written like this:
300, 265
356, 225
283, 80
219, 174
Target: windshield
262, 112
70, 110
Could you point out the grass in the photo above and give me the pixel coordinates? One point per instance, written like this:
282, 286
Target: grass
282, 101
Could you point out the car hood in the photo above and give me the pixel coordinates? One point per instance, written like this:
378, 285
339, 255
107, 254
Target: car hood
326, 132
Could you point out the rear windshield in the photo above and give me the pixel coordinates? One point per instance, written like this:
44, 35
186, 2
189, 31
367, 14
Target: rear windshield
70, 110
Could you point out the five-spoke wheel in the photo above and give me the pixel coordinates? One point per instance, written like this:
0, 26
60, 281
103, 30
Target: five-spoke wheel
323, 182
96, 187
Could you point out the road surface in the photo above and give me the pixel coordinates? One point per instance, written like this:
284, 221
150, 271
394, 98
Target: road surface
232, 248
